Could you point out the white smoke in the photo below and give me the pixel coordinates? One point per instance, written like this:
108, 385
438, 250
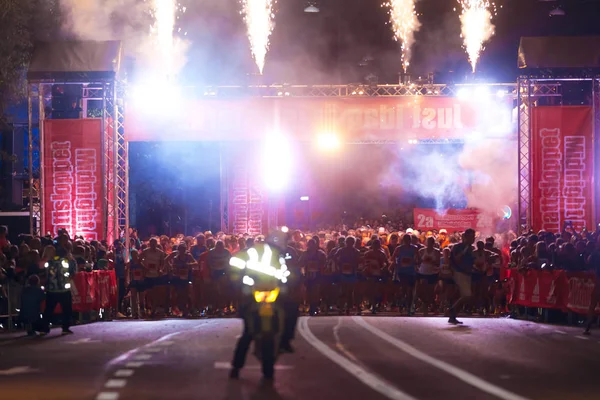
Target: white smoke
129, 21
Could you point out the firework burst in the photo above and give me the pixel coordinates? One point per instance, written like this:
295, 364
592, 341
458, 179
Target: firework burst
259, 16
405, 23
476, 27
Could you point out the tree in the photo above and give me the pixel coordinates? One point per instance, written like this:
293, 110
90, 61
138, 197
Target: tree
22, 22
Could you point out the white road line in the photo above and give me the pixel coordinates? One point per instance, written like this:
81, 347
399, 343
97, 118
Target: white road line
141, 357
450, 369
153, 350
134, 364
165, 343
366, 377
124, 373
560, 332
131, 352
338, 342
115, 383
582, 337
227, 365
107, 396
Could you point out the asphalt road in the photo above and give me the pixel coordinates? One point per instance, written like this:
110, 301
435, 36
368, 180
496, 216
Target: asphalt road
345, 358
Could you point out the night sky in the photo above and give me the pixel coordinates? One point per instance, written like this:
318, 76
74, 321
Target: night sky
304, 47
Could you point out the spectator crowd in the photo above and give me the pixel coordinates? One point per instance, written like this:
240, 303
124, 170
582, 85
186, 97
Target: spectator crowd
368, 268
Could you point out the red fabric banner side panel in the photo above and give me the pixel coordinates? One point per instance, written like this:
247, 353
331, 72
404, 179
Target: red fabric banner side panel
562, 167
73, 177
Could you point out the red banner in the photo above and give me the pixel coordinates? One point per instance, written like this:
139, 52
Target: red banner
581, 287
452, 220
72, 168
552, 289
399, 118
83, 291
543, 289
105, 293
247, 203
562, 160
91, 291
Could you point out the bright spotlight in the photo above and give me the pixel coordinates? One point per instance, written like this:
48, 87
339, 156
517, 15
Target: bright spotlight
155, 99
304, 198
463, 93
276, 159
285, 229
328, 141
501, 93
481, 92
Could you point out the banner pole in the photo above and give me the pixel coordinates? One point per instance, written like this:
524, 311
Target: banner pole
41, 118
104, 166
30, 156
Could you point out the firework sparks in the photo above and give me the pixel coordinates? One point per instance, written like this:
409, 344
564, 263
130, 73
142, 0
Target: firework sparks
476, 27
405, 23
165, 14
258, 15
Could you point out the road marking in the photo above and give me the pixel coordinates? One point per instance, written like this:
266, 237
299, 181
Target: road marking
107, 396
582, 337
18, 371
141, 357
153, 350
165, 343
227, 365
561, 332
134, 364
338, 342
82, 341
450, 369
124, 373
115, 383
366, 377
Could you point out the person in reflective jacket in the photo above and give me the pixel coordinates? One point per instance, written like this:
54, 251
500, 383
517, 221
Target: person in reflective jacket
261, 269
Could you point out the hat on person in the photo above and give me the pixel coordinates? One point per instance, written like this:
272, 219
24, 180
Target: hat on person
443, 231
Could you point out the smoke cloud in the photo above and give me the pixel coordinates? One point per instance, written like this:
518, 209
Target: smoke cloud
127, 20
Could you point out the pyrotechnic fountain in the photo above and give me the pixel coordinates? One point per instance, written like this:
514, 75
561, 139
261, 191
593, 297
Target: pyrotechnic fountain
258, 15
476, 27
405, 23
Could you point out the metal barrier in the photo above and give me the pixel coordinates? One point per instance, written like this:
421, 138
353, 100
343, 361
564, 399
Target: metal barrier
9, 314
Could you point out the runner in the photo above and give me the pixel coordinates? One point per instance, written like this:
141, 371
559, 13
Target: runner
153, 261
376, 263
181, 263
461, 262
404, 263
594, 266
136, 285
313, 262
218, 263
348, 259
428, 273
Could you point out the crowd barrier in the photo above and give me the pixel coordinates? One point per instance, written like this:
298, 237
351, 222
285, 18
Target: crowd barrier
94, 290
561, 290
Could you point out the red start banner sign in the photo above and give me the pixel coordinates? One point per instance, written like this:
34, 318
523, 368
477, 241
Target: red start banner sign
354, 118
452, 220
72, 168
562, 172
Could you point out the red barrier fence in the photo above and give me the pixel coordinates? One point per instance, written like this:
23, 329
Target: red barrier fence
566, 291
92, 291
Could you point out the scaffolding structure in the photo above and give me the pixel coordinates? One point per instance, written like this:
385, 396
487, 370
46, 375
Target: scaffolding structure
509, 90
534, 91
114, 156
